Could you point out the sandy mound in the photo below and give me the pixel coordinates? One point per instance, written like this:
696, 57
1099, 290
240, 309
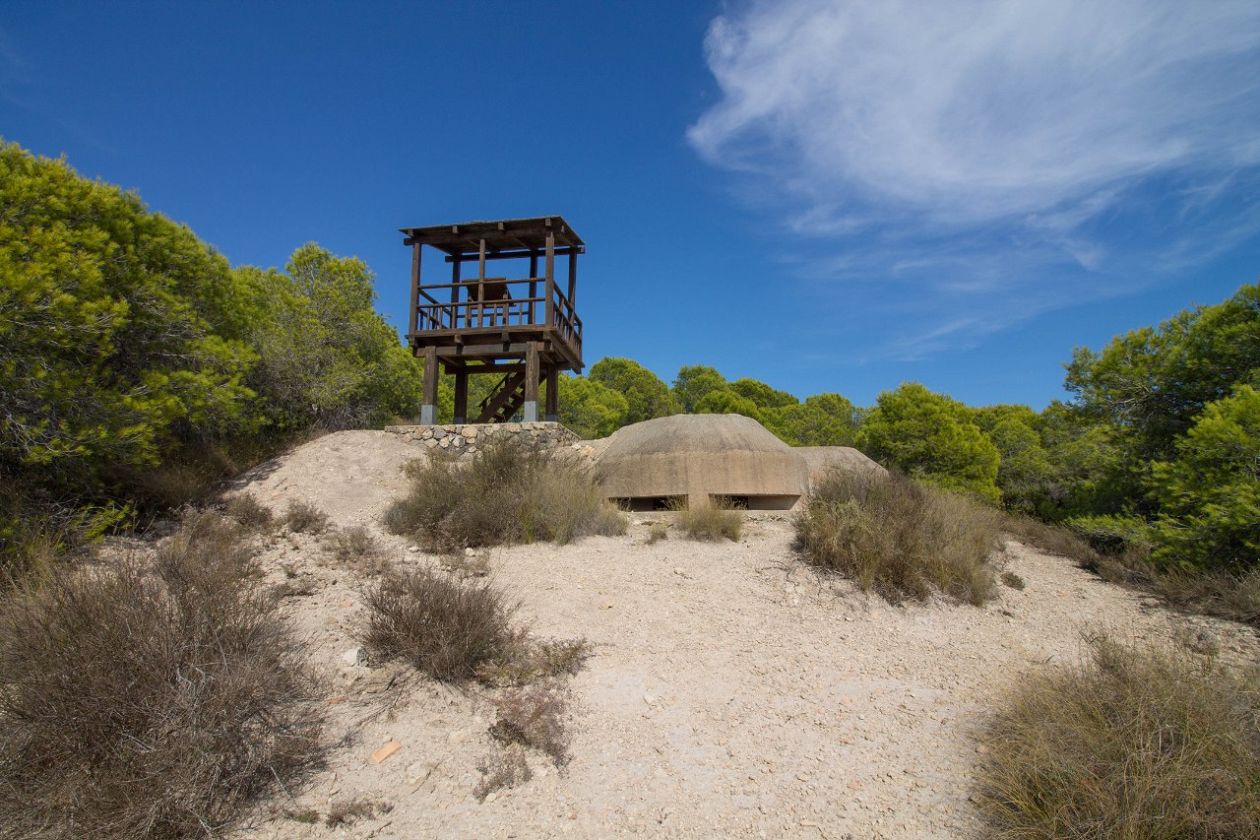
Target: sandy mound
732, 692
352, 476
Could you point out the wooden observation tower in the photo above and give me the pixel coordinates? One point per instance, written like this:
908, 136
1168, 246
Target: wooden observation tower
523, 328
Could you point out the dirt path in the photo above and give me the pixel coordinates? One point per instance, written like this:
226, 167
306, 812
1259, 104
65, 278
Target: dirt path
732, 692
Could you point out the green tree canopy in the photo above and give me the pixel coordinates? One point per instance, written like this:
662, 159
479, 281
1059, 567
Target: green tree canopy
1209, 493
119, 329
931, 437
591, 409
726, 401
822, 420
761, 394
693, 383
1153, 382
325, 356
644, 392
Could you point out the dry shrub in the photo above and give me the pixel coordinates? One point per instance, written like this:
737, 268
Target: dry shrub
346, 811
467, 563
443, 627
900, 539
1053, 539
305, 518
506, 493
534, 660
710, 521
534, 716
249, 513
455, 630
506, 768
1235, 596
149, 702
1141, 743
357, 548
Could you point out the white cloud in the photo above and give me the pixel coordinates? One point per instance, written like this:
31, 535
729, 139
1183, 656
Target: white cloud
935, 134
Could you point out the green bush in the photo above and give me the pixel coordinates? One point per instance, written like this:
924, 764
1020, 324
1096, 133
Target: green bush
932, 438
506, 493
1210, 493
645, 394
900, 539
1140, 743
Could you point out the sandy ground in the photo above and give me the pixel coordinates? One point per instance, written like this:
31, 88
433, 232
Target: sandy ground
732, 691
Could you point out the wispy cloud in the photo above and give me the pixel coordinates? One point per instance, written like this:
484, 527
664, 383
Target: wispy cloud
978, 148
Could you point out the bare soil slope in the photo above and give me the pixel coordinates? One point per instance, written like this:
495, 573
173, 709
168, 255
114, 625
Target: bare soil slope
732, 691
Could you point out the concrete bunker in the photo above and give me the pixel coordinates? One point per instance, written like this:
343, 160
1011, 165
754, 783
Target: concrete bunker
700, 459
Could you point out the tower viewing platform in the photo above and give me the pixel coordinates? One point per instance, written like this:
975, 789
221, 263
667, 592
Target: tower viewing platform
524, 328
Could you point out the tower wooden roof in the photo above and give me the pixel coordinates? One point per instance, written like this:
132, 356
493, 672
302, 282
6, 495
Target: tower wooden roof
501, 235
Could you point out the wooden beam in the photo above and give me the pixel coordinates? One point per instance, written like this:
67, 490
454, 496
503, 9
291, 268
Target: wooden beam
573, 281
515, 254
428, 403
551, 277
415, 285
530, 408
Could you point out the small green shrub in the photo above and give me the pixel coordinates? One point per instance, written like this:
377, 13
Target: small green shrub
1140, 743
305, 518
506, 493
710, 521
149, 702
900, 539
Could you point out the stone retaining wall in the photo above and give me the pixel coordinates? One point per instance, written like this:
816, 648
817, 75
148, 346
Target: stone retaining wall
466, 438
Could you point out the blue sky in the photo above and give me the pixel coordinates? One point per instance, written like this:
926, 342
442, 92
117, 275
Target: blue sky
825, 195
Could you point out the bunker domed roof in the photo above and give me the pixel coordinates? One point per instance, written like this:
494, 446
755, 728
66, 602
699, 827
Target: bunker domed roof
700, 456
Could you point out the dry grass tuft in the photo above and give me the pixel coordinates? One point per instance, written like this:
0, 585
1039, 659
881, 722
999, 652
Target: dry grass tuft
900, 539
506, 493
305, 518
445, 628
249, 513
149, 703
356, 548
506, 768
534, 717
454, 630
531, 661
712, 521
1141, 743
1235, 596
346, 811
1050, 538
